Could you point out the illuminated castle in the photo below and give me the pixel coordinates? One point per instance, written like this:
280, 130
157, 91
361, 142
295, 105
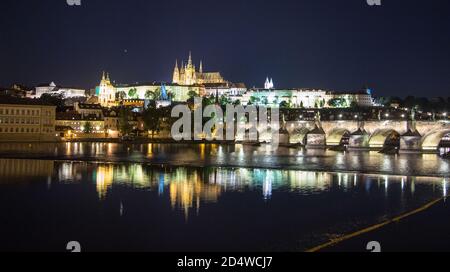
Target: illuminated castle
188, 75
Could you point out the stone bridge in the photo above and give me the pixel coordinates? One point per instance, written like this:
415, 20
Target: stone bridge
413, 135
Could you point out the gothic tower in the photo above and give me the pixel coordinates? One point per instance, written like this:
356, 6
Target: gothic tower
176, 73
189, 72
106, 93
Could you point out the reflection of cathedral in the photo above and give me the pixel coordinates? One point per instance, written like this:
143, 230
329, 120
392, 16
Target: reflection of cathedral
188, 75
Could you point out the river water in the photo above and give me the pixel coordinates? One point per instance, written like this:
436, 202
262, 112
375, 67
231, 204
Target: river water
176, 197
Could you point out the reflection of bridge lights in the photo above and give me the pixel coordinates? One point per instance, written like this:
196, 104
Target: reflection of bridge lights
444, 186
104, 179
267, 186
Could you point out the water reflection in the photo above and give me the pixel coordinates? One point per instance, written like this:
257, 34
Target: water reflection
10, 169
215, 155
188, 189
104, 176
143, 204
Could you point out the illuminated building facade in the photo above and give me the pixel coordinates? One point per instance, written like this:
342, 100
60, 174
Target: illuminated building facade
53, 89
187, 79
188, 75
79, 124
111, 95
26, 120
301, 98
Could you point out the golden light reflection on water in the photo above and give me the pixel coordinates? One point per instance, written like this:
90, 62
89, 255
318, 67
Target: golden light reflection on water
10, 169
188, 189
150, 150
104, 179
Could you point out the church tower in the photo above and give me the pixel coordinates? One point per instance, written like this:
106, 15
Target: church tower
269, 84
107, 92
176, 73
189, 72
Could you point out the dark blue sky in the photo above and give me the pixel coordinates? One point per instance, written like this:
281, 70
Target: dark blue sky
400, 48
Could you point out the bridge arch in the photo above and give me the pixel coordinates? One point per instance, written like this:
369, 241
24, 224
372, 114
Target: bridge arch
432, 140
298, 136
337, 135
382, 137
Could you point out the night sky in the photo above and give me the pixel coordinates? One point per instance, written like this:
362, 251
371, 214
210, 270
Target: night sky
401, 48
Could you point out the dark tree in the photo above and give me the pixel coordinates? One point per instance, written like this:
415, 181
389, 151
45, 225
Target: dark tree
54, 99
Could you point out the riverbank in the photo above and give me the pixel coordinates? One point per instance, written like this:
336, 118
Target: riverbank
427, 230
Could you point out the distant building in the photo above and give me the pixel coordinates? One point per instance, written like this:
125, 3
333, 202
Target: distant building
89, 109
26, 120
227, 89
301, 98
87, 126
269, 84
296, 98
16, 90
52, 88
188, 75
110, 94
362, 99
111, 117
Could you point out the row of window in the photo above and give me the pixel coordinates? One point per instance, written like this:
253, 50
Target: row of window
25, 130
28, 121
19, 112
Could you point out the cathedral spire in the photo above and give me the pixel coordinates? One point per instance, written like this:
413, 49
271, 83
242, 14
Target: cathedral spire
103, 76
201, 67
190, 59
176, 73
267, 84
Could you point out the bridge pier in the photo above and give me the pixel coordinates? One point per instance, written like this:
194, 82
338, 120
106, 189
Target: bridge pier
284, 138
411, 141
359, 139
316, 138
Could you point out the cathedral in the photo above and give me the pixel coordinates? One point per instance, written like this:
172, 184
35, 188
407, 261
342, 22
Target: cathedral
188, 75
